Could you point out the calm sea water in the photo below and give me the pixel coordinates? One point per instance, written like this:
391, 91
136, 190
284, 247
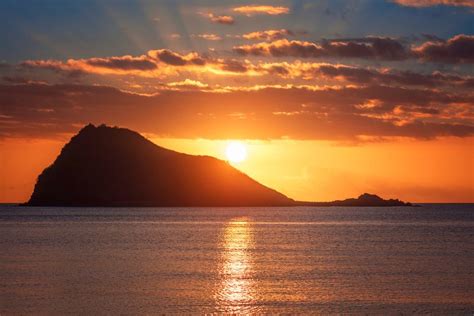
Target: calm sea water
316, 260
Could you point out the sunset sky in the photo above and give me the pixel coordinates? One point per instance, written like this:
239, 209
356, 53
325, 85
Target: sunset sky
332, 98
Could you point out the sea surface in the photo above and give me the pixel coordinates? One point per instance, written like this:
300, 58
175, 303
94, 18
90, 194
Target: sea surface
301, 260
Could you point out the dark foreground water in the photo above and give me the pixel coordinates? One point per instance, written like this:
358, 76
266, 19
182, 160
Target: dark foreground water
242, 260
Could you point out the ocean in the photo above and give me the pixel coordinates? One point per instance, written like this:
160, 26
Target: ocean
300, 260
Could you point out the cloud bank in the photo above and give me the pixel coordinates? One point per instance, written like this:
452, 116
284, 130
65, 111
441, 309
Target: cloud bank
430, 3
41, 110
459, 49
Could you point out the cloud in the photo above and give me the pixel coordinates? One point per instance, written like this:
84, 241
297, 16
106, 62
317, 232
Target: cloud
281, 48
459, 49
123, 63
261, 9
429, 3
171, 58
268, 34
221, 19
233, 65
187, 84
111, 65
272, 112
20, 80
208, 37
160, 63
361, 76
431, 37
54, 65
377, 48
172, 66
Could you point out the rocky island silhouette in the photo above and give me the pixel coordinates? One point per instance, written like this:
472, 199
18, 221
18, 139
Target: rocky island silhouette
111, 166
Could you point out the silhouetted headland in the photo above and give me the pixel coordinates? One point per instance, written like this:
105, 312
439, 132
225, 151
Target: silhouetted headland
111, 166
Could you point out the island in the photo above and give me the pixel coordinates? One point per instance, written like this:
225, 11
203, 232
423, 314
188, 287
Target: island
365, 199
112, 166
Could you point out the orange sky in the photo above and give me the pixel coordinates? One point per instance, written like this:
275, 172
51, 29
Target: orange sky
333, 98
418, 171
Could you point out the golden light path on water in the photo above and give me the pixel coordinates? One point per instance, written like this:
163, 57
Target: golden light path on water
236, 292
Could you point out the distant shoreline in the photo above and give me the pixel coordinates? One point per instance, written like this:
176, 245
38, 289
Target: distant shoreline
304, 204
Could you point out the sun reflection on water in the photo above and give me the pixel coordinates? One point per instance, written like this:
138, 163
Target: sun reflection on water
235, 293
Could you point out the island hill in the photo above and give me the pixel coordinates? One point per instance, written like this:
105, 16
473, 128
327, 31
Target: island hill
110, 166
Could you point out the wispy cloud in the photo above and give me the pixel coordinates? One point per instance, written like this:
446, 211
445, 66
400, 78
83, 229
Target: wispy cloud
187, 84
269, 34
261, 9
208, 37
221, 19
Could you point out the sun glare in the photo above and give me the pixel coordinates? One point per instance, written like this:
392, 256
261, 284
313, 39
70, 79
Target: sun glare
236, 152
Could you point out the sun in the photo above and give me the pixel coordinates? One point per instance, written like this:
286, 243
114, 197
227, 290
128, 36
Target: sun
236, 152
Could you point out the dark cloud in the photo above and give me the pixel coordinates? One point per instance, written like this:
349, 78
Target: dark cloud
279, 69
14, 80
459, 49
404, 78
370, 48
175, 59
124, 63
170, 57
430, 3
300, 113
233, 65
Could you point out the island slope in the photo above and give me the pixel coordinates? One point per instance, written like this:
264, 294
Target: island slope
110, 166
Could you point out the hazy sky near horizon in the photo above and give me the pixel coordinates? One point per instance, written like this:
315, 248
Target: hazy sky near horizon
332, 97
